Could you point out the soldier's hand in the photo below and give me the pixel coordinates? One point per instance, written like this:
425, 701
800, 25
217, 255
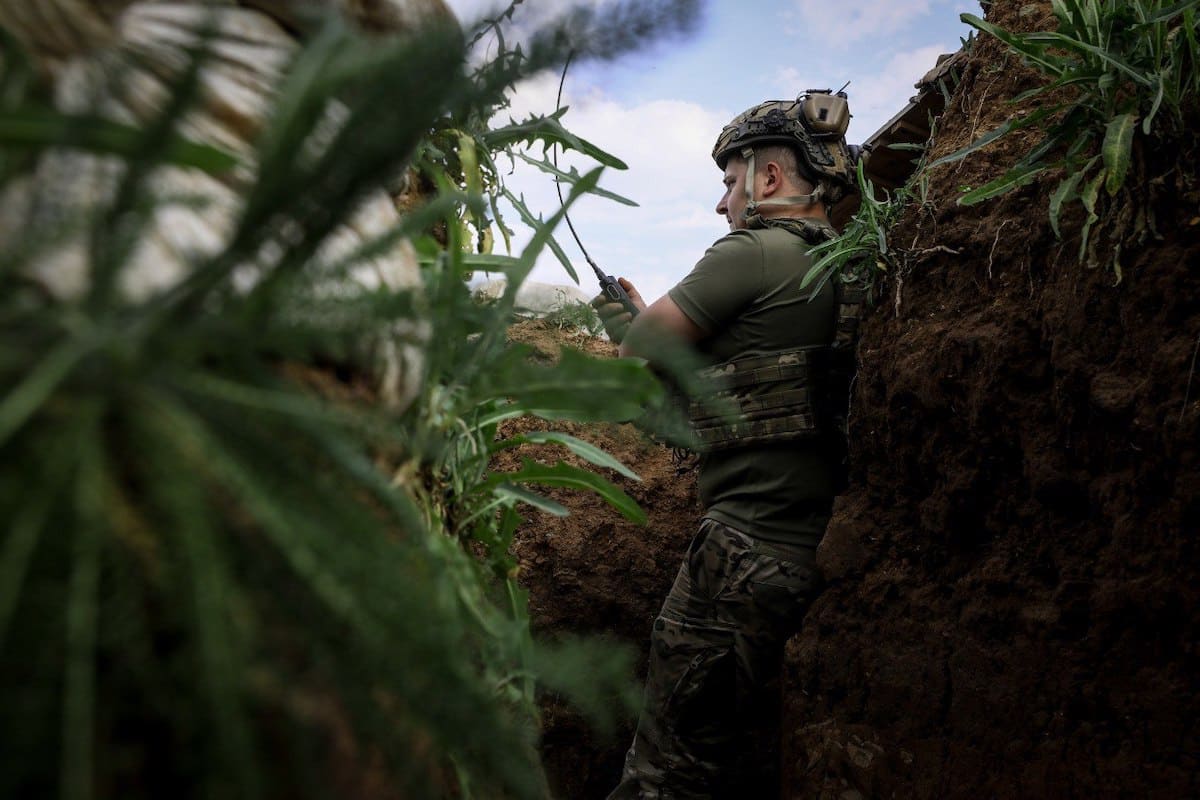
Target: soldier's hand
616, 317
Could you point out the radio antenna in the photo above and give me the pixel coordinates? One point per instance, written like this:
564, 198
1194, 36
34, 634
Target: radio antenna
609, 285
558, 182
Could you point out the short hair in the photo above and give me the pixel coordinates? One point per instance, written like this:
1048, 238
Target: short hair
786, 158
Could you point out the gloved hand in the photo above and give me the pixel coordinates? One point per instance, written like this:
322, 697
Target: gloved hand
616, 317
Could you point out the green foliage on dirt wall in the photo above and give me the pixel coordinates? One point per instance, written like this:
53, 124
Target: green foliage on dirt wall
225, 570
863, 254
1122, 76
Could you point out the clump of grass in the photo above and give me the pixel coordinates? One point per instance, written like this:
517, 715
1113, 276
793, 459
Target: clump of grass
863, 253
1129, 71
575, 316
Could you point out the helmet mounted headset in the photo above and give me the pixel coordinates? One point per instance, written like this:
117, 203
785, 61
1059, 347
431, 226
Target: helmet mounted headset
813, 126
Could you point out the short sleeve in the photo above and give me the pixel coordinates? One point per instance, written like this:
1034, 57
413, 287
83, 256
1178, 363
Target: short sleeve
724, 281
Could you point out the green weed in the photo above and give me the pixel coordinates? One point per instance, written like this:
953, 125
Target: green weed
216, 582
575, 316
1129, 71
863, 253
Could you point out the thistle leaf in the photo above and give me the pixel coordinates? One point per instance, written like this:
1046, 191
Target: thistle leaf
549, 131
37, 128
585, 450
1005, 183
1117, 150
580, 387
1065, 192
978, 144
515, 493
1089, 197
547, 241
564, 475
573, 176
82, 608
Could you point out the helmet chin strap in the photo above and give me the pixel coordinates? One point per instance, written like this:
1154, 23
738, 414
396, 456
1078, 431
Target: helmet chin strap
753, 205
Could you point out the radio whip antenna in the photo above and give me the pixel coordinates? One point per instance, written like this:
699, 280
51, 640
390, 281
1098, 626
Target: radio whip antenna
608, 284
558, 182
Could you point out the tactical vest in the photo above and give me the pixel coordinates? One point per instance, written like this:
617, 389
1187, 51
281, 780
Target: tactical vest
793, 394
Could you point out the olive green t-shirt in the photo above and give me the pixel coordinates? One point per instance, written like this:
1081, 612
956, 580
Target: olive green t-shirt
745, 294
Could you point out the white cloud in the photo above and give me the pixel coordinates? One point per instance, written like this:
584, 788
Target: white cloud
667, 145
533, 96
834, 26
786, 83
877, 98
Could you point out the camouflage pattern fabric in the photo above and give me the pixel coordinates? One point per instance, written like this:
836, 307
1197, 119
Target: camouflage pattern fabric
716, 644
754, 400
783, 122
771, 398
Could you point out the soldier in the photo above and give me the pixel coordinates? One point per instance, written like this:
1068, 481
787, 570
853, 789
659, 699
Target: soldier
768, 431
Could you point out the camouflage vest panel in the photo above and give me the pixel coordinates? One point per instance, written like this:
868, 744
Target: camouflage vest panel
788, 395
756, 400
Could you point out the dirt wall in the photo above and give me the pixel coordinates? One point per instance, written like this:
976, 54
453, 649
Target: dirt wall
1012, 608
594, 572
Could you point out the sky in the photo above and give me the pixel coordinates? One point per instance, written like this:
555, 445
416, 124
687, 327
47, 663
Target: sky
660, 111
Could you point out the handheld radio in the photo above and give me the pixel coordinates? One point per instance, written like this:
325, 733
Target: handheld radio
613, 290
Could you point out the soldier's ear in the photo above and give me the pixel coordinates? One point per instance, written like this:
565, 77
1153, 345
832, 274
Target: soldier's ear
773, 175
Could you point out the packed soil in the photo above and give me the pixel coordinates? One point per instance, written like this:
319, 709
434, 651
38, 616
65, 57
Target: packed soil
1014, 576
1011, 608
595, 572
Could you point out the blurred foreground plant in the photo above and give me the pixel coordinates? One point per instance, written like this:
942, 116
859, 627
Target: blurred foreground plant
208, 584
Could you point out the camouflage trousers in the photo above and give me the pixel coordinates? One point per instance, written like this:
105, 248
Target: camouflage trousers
716, 647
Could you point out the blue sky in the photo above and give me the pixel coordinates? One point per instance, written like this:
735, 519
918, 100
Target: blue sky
661, 110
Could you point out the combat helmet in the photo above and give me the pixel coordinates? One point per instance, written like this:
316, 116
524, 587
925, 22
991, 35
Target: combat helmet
814, 125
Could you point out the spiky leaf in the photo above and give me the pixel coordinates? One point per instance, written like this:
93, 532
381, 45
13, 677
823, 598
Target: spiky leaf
566, 476
1117, 150
1005, 183
585, 450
